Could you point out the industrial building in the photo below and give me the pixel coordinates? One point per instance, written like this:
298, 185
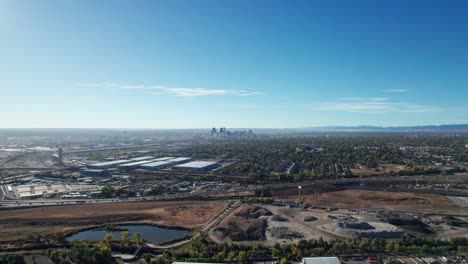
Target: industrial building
93, 172
179, 160
163, 158
107, 164
31, 191
197, 166
156, 165
133, 165
142, 158
321, 260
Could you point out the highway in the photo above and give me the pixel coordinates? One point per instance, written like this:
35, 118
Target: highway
13, 204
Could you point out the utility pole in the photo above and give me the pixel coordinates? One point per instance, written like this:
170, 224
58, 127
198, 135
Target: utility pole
299, 197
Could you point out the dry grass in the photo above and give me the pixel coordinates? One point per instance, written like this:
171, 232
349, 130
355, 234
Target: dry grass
64, 219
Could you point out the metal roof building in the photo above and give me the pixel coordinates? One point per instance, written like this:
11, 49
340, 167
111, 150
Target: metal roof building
321, 260
132, 165
163, 158
107, 164
142, 158
179, 160
156, 165
197, 166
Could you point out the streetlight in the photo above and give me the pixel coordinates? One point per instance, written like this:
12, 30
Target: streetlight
299, 189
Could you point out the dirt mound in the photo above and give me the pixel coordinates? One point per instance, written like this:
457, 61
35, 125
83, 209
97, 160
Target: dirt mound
310, 218
453, 221
248, 231
283, 232
279, 218
253, 212
409, 224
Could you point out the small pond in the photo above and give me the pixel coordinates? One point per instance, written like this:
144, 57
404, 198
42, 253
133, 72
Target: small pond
152, 234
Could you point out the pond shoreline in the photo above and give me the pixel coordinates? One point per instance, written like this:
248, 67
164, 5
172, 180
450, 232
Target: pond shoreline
122, 227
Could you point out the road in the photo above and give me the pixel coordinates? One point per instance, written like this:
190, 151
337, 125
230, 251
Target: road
215, 220
4, 193
14, 178
15, 204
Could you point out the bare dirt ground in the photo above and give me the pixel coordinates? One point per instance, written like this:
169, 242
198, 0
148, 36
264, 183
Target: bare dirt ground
293, 220
459, 201
15, 224
399, 201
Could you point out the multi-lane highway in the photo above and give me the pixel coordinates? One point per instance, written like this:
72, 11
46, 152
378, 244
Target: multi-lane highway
5, 193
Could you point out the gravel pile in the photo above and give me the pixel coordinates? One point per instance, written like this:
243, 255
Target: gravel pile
310, 218
285, 233
279, 218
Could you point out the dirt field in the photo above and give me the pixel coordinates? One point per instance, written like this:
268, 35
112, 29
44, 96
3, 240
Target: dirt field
384, 200
323, 225
15, 224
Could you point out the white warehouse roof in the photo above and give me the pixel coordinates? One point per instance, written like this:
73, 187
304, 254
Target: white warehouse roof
133, 164
321, 260
196, 164
108, 163
180, 159
155, 164
163, 158
142, 158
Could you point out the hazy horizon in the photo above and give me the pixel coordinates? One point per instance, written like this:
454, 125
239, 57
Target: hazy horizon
229, 128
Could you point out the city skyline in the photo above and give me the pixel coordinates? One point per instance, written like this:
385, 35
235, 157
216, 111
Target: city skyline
248, 64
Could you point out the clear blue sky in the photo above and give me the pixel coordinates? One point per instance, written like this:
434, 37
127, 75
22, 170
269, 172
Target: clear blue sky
252, 63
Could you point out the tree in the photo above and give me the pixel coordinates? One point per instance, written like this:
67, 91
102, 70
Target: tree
107, 191
283, 261
53, 256
242, 256
105, 251
36, 236
108, 238
137, 237
124, 238
147, 258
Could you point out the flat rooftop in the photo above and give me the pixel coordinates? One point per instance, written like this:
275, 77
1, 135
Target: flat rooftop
321, 260
132, 164
142, 158
163, 158
196, 164
110, 163
156, 164
179, 159
93, 170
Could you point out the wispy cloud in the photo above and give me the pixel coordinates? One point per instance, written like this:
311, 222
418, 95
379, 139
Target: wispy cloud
193, 92
396, 90
177, 91
371, 105
132, 87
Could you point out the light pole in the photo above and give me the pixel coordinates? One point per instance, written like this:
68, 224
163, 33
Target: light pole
299, 197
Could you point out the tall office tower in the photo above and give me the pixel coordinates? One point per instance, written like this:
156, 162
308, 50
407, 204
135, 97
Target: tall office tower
60, 156
213, 131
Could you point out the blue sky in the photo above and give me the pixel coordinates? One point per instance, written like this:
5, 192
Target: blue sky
196, 64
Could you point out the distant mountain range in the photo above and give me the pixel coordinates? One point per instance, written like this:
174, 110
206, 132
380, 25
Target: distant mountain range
432, 128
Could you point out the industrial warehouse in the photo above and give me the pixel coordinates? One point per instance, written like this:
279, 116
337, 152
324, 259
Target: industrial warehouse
150, 163
197, 166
